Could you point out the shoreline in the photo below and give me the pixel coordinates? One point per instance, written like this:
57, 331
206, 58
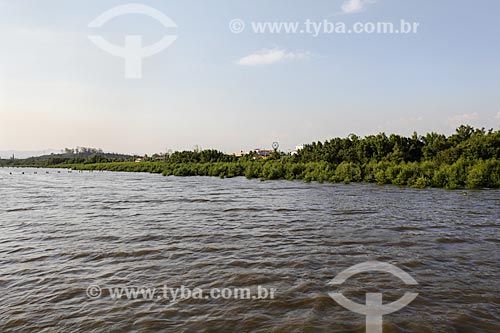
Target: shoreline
420, 175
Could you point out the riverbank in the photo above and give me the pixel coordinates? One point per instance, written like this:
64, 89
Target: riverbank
470, 158
461, 174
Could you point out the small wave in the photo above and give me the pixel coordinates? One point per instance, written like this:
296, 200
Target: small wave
208, 249
107, 238
146, 238
20, 249
240, 263
405, 228
16, 322
121, 254
20, 209
355, 212
285, 210
252, 209
347, 243
450, 240
274, 235
249, 279
65, 295
401, 243
413, 263
114, 208
43, 257
352, 253
194, 200
494, 240
486, 225
138, 253
80, 255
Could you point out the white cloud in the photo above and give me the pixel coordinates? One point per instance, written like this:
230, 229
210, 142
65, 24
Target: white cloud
355, 6
498, 115
409, 120
271, 56
461, 119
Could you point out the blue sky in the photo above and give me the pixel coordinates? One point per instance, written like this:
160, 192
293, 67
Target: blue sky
57, 89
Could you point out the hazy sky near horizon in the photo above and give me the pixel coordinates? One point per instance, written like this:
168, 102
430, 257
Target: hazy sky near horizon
217, 89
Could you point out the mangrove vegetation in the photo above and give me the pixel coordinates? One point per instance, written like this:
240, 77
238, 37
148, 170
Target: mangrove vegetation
467, 159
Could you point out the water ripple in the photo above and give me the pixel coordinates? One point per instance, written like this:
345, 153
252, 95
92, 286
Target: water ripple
61, 232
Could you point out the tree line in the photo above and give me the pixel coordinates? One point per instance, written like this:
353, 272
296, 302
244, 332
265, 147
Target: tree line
468, 158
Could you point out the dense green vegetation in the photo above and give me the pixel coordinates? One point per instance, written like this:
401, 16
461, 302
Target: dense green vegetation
469, 158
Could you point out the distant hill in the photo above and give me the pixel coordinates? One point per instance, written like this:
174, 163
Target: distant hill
6, 154
68, 156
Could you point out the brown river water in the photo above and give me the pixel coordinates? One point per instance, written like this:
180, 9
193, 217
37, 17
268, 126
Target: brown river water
62, 232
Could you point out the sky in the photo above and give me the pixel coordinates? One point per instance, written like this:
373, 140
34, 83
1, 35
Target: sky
214, 88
